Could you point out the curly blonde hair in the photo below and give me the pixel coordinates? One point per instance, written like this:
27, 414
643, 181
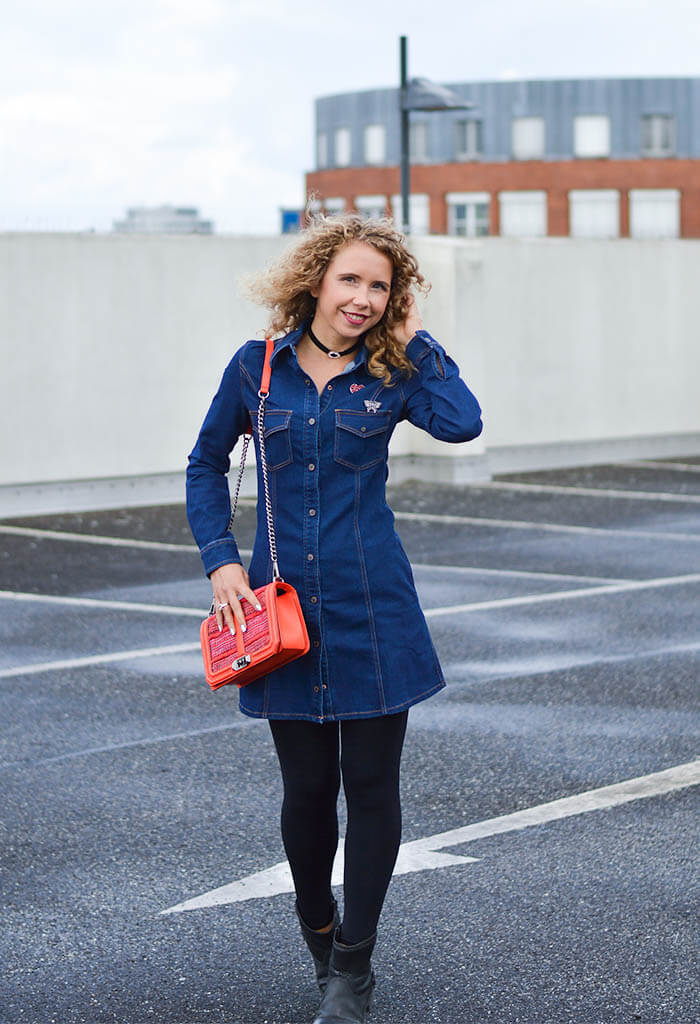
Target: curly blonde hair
286, 287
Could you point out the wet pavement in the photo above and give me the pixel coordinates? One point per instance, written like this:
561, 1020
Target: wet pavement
564, 607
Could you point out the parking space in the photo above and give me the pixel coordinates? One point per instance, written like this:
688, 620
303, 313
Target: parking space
142, 870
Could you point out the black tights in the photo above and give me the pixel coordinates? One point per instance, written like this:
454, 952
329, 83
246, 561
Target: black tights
368, 753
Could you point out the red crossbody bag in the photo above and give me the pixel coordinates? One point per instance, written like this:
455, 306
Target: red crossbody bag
277, 633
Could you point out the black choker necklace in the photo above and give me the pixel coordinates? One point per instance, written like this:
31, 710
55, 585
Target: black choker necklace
330, 352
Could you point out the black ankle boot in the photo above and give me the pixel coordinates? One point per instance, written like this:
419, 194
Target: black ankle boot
350, 983
320, 945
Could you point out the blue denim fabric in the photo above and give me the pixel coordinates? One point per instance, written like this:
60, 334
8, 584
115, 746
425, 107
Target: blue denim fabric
371, 652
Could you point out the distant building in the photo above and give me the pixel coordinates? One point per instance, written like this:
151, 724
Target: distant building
588, 158
164, 220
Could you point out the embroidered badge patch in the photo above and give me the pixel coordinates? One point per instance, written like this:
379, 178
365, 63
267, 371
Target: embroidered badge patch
371, 406
356, 387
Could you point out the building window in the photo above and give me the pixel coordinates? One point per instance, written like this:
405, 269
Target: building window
528, 138
468, 139
655, 213
523, 214
418, 212
594, 213
322, 150
371, 206
334, 205
658, 135
342, 147
375, 144
468, 214
419, 136
591, 136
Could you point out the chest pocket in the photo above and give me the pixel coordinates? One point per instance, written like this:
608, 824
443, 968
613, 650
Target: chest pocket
361, 438
278, 441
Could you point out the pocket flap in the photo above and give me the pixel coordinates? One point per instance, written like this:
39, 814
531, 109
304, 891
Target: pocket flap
275, 419
363, 424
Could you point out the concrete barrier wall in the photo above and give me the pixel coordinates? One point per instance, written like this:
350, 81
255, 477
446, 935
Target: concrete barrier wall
591, 339
113, 345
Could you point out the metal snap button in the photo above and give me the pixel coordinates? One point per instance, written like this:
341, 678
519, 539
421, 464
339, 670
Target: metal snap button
314, 600
311, 420
310, 557
312, 467
312, 511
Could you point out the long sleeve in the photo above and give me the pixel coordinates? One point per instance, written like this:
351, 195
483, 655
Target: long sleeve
208, 499
436, 398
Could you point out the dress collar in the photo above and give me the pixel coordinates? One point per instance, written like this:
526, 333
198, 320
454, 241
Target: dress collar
292, 339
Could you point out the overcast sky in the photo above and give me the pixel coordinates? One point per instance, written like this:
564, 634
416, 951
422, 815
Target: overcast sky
106, 104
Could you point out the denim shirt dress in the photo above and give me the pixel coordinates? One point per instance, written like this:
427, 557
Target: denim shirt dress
371, 653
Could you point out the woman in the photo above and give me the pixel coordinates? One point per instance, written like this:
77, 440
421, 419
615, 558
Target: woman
351, 361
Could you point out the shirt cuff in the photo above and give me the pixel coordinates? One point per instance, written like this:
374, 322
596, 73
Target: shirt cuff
220, 552
419, 348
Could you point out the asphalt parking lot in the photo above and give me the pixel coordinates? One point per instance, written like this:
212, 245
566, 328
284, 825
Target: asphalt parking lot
549, 870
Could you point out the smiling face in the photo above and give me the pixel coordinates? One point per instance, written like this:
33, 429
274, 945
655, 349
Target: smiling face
353, 294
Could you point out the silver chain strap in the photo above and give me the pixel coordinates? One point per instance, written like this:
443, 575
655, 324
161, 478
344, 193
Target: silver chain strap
268, 504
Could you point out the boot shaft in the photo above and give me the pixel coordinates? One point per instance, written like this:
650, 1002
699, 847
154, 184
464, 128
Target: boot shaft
350, 983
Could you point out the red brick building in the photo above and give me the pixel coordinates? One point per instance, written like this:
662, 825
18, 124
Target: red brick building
599, 158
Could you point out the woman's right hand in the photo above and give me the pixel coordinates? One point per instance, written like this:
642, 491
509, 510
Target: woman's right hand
229, 583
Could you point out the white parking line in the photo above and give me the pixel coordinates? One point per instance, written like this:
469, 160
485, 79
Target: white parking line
521, 524
455, 609
90, 538
145, 741
514, 573
562, 595
102, 604
423, 854
427, 517
486, 672
110, 542
682, 467
590, 492
96, 659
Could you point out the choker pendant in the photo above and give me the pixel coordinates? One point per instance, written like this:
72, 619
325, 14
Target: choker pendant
331, 352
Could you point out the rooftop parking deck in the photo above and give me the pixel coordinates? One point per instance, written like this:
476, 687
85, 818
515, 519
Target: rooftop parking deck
564, 607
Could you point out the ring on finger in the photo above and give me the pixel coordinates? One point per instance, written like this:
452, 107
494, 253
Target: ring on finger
222, 605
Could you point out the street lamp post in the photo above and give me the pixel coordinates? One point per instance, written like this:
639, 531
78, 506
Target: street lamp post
417, 94
405, 128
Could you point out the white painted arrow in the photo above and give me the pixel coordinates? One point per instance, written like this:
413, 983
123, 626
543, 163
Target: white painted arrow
278, 878
423, 855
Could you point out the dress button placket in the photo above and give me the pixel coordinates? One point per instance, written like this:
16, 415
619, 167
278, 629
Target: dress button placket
311, 535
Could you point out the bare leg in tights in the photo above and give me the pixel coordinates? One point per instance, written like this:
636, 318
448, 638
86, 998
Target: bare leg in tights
368, 753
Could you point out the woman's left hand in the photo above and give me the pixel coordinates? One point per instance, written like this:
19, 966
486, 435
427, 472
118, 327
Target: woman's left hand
403, 332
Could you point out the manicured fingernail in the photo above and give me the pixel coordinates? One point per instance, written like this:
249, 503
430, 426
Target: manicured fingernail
259, 607
220, 628
232, 631
243, 627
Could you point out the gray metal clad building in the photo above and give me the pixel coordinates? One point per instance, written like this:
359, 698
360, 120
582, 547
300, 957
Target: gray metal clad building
605, 157
624, 100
